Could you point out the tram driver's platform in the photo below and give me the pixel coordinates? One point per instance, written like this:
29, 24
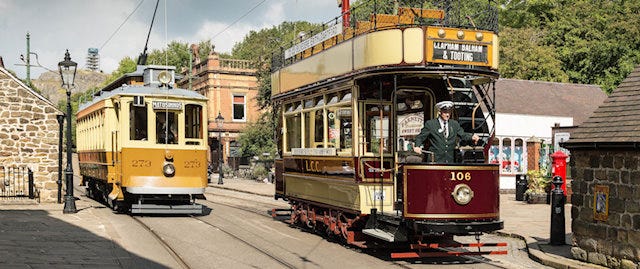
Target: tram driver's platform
530, 222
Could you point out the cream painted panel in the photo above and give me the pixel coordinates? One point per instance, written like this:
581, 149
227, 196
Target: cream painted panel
331, 192
370, 198
413, 45
377, 48
329, 63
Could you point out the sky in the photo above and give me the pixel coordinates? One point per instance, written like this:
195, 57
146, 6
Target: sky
78, 25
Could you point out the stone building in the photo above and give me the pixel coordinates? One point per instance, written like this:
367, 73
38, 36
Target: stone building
605, 163
231, 87
29, 134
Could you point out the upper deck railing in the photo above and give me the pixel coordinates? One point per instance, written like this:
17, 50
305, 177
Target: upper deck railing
374, 15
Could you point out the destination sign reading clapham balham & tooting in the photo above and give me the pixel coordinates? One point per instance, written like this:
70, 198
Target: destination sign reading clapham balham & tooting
459, 52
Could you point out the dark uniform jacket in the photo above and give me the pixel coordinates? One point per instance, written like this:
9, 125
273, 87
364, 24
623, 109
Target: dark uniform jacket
442, 147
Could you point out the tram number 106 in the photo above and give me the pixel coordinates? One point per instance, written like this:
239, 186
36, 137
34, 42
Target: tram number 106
459, 176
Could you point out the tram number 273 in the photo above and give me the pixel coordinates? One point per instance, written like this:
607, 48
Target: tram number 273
459, 176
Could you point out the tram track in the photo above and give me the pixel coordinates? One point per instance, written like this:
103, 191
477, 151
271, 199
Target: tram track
264, 251
174, 254
266, 213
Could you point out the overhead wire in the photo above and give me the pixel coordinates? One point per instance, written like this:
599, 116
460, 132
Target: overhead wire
122, 24
238, 19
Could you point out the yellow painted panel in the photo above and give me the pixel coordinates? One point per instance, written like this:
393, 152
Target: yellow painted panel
331, 62
413, 45
143, 167
332, 192
377, 48
275, 83
489, 39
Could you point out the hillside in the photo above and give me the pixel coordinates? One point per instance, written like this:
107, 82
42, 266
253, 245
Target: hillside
49, 84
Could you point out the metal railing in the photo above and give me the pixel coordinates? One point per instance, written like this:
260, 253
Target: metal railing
16, 183
362, 19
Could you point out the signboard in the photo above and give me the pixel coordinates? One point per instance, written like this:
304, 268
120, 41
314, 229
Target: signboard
314, 151
167, 105
410, 125
460, 52
332, 31
600, 202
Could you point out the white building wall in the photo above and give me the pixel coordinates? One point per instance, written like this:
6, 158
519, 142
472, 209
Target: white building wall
518, 126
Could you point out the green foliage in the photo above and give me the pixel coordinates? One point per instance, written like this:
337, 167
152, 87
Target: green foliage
259, 171
261, 45
524, 56
595, 42
176, 54
126, 65
538, 182
257, 138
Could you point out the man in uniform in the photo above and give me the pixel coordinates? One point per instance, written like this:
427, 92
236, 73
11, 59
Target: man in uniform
441, 133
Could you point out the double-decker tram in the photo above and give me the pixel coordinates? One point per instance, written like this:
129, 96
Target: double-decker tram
350, 103
142, 144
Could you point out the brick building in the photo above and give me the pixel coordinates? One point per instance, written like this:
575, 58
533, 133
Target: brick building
606, 180
231, 87
29, 134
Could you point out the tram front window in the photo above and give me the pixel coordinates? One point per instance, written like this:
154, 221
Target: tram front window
166, 128
413, 107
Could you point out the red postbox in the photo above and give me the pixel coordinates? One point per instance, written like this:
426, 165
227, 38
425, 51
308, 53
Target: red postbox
559, 168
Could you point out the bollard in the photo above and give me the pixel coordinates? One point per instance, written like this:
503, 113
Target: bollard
557, 213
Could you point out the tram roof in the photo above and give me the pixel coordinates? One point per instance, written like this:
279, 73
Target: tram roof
149, 90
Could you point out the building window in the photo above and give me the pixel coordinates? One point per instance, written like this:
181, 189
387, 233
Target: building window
239, 107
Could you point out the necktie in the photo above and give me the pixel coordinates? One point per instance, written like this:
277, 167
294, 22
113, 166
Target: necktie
446, 129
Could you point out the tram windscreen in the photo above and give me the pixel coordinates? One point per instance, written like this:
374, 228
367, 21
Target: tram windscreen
166, 128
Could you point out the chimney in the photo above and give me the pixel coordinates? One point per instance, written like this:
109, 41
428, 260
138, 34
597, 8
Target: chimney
1, 62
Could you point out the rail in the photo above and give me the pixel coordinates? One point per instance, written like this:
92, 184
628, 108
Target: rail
16, 183
375, 15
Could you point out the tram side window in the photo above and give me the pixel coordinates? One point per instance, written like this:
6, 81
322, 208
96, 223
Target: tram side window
137, 122
377, 128
340, 124
293, 125
314, 129
193, 121
166, 128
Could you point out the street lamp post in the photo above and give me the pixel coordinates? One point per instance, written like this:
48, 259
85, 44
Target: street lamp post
220, 122
67, 70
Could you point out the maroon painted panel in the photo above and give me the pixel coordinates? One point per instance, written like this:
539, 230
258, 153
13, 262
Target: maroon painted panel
428, 191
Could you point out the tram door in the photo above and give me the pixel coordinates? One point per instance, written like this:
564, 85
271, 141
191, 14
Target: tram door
413, 107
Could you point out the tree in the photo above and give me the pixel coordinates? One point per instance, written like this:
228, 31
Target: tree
596, 42
262, 45
257, 138
126, 65
523, 55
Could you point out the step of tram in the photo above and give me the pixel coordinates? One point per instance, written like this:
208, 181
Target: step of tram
380, 234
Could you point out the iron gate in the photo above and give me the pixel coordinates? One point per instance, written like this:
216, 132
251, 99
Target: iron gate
16, 182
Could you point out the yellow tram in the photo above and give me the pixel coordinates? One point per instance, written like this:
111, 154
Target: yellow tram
142, 144
352, 99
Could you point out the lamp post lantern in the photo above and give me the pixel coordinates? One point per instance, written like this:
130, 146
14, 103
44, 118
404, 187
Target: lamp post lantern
220, 122
67, 70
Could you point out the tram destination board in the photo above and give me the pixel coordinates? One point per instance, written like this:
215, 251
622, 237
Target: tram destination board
459, 52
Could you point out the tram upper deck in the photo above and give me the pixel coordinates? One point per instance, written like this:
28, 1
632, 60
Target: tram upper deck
456, 36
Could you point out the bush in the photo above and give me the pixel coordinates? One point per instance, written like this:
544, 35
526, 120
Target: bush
538, 182
259, 171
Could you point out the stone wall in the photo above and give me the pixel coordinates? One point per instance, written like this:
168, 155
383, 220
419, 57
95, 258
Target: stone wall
614, 242
29, 134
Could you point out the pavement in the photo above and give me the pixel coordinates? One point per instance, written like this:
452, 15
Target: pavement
39, 235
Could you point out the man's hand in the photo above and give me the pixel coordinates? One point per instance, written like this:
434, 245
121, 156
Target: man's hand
417, 150
475, 139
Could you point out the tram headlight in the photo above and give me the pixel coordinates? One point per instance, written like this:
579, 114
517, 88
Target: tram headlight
462, 194
168, 170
